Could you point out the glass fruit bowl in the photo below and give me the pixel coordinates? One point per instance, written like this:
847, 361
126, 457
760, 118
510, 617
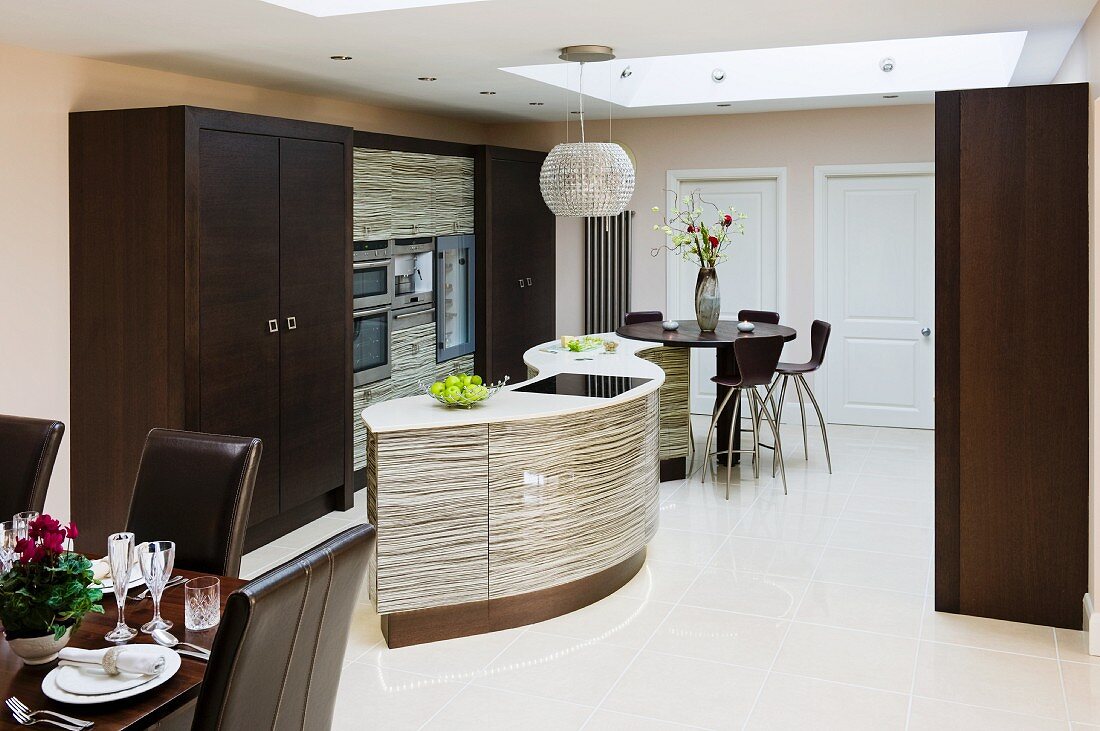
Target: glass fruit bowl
463, 393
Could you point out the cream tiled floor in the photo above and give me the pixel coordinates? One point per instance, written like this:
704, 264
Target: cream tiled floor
806, 611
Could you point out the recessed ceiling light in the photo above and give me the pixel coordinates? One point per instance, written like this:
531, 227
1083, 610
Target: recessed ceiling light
487, 93
574, 112
535, 104
724, 105
340, 58
426, 78
889, 96
327, 8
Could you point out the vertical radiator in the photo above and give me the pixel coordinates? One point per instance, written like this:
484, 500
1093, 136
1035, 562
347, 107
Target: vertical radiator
606, 271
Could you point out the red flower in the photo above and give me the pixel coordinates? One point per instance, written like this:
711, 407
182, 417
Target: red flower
691, 229
714, 242
73, 532
727, 220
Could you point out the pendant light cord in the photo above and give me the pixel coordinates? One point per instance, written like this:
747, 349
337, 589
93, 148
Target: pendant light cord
580, 93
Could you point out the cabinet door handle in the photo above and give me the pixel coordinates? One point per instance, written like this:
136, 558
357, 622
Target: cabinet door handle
273, 326
291, 323
529, 284
521, 284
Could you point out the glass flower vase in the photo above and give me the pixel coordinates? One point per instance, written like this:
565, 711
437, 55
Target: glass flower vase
708, 300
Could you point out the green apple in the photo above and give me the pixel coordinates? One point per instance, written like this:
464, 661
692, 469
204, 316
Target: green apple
476, 380
452, 382
437, 388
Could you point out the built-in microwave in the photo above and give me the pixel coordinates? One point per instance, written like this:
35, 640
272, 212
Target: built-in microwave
372, 283
371, 360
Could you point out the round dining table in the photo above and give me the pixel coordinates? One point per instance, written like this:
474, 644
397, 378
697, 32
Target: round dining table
688, 335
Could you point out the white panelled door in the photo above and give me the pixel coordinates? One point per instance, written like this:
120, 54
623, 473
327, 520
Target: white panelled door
877, 233
752, 276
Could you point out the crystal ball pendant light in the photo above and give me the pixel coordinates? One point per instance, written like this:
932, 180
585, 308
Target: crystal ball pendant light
581, 179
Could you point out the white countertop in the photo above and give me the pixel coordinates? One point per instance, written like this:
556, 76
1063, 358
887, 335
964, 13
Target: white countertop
424, 412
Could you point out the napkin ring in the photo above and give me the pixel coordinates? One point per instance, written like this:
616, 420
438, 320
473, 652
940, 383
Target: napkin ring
110, 660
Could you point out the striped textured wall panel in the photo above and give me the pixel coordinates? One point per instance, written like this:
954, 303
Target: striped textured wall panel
570, 495
452, 204
428, 497
371, 206
410, 189
675, 397
365, 396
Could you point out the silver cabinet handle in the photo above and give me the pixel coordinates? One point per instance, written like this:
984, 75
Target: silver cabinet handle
292, 323
529, 281
926, 331
273, 326
521, 284
414, 314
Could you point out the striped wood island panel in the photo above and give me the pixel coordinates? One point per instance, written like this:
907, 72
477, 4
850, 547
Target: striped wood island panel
570, 495
675, 397
427, 494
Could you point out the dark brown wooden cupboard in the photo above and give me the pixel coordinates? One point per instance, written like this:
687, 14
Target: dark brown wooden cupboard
516, 261
210, 277
1012, 353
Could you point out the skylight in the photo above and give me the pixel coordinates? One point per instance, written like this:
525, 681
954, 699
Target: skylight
327, 8
840, 69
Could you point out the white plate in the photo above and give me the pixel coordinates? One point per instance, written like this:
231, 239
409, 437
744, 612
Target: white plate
172, 664
136, 580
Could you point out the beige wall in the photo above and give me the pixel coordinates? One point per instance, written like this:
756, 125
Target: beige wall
795, 140
1082, 63
39, 90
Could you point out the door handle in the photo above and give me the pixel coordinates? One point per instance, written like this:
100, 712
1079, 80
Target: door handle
521, 284
291, 323
926, 331
273, 326
529, 281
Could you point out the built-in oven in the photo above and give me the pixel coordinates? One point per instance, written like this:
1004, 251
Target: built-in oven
371, 360
413, 267
372, 283
364, 250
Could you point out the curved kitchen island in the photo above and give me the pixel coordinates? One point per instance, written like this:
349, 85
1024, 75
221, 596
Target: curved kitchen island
530, 505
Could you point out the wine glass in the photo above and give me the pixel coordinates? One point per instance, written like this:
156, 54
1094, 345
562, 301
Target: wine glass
8, 540
22, 523
120, 556
157, 559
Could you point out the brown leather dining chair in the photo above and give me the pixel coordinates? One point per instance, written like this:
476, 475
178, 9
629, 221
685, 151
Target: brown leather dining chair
196, 489
819, 340
756, 359
771, 318
276, 660
633, 318
28, 450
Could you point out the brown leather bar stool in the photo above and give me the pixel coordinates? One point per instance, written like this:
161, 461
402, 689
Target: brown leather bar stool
771, 318
819, 339
28, 450
756, 358
633, 318
180, 470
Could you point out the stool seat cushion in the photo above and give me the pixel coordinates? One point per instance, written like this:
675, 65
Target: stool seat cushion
790, 369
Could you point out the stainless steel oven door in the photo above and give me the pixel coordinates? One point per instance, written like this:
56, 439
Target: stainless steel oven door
372, 283
370, 360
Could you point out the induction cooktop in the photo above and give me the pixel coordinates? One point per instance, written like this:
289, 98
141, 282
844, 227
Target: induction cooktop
582, 384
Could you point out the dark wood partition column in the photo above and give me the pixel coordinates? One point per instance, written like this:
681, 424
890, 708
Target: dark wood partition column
1012, 353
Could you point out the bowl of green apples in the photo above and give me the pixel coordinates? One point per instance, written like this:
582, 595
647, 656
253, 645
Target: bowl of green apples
462, 390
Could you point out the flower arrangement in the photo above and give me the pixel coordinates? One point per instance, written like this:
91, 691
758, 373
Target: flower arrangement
47, 590
693, 239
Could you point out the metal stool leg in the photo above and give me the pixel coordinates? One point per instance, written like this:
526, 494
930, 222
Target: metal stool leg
778, 448
754, 408
802, 410
706, 444
729, 441
820, 420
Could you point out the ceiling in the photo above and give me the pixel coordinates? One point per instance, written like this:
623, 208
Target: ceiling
466, 45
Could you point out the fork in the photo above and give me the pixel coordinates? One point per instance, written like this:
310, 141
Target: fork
16, 705
26, 720
174, 581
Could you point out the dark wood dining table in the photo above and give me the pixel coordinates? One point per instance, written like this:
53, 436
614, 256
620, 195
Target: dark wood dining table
688, 335
138, 712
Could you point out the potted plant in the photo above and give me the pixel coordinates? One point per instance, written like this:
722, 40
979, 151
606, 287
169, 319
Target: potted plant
46, 593
703, 245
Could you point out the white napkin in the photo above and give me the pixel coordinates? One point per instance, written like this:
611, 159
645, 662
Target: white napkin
128, 660
101, 568
94, 680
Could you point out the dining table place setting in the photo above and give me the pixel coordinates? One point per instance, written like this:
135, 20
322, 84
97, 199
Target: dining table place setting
65, 663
